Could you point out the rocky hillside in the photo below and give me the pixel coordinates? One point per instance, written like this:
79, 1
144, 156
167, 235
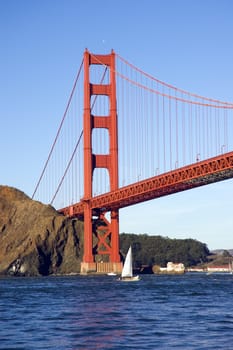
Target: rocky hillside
35, 239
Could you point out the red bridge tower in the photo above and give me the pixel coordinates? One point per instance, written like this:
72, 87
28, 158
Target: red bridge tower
101, 236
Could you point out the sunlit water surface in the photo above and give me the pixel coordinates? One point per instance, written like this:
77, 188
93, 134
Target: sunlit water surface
193, 311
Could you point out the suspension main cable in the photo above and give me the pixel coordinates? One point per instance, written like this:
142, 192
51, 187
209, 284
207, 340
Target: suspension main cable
223, 103
59, 129
67, 168
219, 104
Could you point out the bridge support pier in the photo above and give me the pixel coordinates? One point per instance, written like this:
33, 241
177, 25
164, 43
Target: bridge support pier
103, 257
88, 267
100, 268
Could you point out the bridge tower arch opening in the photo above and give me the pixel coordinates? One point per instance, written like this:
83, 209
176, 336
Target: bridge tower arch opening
101, 232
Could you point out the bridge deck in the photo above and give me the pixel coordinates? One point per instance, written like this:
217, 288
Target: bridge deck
195, 175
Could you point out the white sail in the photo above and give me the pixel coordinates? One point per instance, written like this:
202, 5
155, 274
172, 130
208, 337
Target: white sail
231, 267
127, 270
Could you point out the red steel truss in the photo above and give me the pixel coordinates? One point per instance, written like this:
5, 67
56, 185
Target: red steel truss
195, 175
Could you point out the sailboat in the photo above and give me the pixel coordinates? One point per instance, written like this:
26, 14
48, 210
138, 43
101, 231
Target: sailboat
127, 271
231, 267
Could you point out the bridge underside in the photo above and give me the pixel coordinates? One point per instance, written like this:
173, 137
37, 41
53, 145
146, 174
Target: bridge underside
195, 175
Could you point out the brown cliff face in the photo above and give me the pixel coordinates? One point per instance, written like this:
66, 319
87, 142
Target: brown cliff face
35, 239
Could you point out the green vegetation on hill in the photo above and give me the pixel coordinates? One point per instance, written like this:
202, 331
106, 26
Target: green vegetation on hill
157, 250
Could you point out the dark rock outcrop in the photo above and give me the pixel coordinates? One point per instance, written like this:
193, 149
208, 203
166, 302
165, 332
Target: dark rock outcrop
35, 239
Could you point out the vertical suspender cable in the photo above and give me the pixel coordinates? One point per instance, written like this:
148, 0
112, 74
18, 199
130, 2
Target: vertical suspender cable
170, 129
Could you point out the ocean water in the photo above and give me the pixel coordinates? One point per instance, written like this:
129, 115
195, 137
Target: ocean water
193, 311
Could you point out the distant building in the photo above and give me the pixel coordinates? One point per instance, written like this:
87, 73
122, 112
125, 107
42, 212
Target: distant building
195, 269
210, 269
173, 268
222, 268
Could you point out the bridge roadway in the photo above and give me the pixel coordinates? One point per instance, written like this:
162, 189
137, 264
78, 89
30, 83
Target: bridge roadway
195, 175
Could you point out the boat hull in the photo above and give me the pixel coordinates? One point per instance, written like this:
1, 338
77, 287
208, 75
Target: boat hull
130, 279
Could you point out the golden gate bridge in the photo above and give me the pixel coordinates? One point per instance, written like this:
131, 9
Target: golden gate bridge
127, 137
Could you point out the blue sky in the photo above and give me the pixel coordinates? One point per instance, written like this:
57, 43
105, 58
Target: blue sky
185, 43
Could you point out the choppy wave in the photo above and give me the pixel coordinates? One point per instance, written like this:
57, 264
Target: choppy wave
193, 311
